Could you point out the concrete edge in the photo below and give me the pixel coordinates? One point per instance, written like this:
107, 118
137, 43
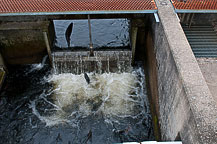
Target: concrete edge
201, 102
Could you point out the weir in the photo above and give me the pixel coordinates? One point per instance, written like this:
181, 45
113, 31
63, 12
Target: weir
101, 62
92, 59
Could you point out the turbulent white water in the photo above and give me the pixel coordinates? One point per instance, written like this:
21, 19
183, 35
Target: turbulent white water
114, 95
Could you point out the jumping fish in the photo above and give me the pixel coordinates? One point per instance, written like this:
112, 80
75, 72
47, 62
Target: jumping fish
68, 33
88, 138
87, 78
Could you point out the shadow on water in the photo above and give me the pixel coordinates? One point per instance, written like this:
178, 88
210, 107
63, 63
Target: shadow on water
37, 106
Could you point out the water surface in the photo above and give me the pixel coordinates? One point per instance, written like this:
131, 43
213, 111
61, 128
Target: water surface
40, 106
105, 33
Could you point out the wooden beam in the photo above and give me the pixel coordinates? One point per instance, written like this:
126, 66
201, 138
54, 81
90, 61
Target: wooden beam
48, 48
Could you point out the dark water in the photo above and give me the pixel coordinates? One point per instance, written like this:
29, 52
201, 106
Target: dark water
31, 113
20, 124
105, 33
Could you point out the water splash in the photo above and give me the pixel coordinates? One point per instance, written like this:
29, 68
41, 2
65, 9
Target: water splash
37, 67
113, 95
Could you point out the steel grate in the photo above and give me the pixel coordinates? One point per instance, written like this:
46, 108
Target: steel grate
203, 40
36, 6
195, 4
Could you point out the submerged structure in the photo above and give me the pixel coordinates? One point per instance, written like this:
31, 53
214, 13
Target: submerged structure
176, 42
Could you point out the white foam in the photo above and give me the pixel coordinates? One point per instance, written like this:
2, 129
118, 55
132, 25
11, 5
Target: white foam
110, 94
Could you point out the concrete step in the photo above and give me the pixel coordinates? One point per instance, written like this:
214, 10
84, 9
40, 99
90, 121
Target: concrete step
203, 40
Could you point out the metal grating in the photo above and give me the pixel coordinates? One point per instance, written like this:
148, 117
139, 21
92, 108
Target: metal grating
195, 5
203, 40
38, 6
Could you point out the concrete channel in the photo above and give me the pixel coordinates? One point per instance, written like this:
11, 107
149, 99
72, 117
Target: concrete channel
182, 87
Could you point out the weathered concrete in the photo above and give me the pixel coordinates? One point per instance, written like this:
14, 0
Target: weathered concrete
152, 80
23, 42
208, 67
186, 106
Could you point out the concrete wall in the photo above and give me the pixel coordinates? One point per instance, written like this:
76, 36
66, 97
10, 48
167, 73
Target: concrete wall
152, 82
23, 42
186, 109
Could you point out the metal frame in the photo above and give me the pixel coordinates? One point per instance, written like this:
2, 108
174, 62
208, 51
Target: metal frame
156, 18
194, 11
78, 13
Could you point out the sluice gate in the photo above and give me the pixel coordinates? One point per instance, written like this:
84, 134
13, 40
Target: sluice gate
102, 61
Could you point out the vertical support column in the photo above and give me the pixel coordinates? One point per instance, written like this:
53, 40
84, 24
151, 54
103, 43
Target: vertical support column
48, 48
2, 63
50, 38
2, 70
133, 42
90, 36
137, 34
133, 37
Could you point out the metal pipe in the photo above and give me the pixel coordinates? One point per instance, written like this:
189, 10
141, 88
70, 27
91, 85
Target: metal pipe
90, 36
79, 13
195, 11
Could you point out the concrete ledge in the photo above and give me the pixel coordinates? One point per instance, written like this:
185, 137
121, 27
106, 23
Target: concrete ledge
23, 42
191, 111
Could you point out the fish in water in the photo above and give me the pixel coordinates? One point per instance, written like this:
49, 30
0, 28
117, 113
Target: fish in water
68, 33
88, 138
124, 131
87, 78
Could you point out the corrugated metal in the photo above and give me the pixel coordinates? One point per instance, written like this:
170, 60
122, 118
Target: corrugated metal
36, 6
197, 5
203, 40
